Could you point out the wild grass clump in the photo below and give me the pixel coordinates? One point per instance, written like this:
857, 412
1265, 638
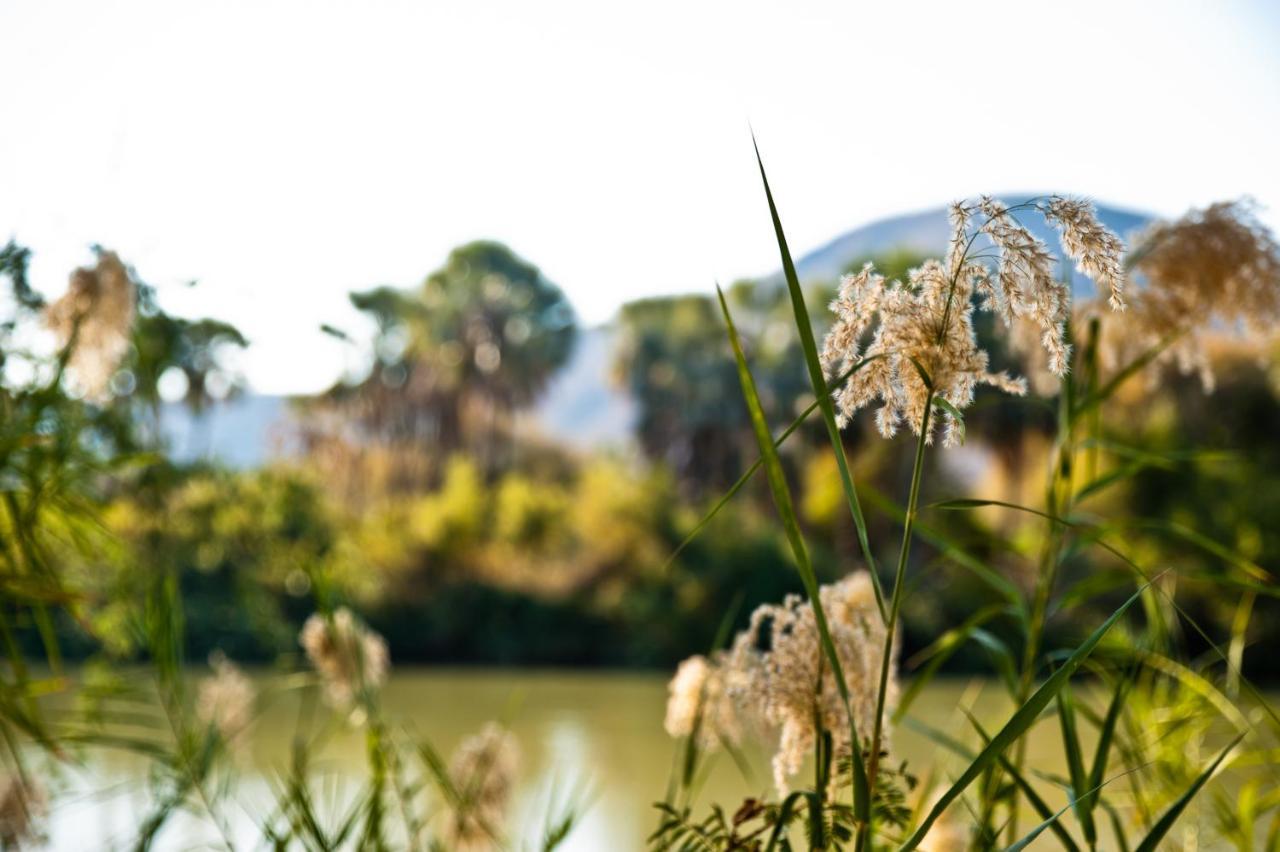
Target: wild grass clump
910, 346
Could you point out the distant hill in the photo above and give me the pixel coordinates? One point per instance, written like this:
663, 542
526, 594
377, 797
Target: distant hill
582, 407
927, 232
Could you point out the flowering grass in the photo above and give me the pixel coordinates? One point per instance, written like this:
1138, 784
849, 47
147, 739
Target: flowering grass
910, 346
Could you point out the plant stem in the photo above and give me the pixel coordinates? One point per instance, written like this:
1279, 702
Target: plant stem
895, 604
1057, 502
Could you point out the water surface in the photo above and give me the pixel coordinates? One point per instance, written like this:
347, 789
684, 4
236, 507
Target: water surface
593, 731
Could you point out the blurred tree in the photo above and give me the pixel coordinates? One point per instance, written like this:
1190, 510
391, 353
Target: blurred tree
673, 358
454, 358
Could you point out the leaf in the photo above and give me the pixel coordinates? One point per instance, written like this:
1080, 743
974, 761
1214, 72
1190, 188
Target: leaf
786, 511
1019, 723
1037, 803
1075, 765
1106, 732
819, 383
953, 412
1166, 821
950, 549
1001, 656
784, 817
922, 372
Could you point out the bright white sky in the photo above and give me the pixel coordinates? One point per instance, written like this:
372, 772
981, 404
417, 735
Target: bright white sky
284, 153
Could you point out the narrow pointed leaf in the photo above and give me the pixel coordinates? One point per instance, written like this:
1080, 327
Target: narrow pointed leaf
1038, 804
819, 383
786, 511
1075, 765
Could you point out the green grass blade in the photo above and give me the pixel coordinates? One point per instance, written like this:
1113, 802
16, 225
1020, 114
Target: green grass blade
786, 511
1106, 732
1050, 819
1169, 817
784, 817
1075, 765
819, 383
954, 413
1019, 723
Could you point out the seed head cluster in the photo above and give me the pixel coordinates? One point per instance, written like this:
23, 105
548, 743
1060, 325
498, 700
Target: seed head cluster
1214, 271
94, 317
923, 340
225, 700
775, 680
698, 702
350, 658
483, 771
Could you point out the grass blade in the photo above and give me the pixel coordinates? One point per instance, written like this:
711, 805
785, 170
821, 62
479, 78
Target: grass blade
938, 653
1106, 732
1020, 722
1263, 702
1050, 819
782, 499
1075, 766
819, 383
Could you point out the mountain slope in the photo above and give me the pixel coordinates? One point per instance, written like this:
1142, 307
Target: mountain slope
927, 232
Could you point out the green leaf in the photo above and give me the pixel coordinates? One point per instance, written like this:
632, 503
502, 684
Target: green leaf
1166, 821
819, 383
1019, 723
1038, 804
784, 817
956, 416
950, 549
1106, 732
922, 372
1001, 656
1075, 765
786, 511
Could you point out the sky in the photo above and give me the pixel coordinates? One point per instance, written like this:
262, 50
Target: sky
283, 154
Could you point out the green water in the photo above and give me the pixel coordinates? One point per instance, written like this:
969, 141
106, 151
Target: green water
596, 731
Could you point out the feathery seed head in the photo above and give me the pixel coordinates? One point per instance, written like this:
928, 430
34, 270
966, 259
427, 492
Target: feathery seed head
776, 670
350, 658
483, 770
226, 700
1214, 271
95, 317
926, 324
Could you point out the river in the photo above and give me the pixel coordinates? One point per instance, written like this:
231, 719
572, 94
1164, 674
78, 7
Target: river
598, 733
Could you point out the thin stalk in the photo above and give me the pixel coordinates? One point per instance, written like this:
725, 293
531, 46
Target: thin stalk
1057, 499
895, 603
